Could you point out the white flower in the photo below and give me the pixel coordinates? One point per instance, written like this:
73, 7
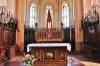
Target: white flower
27, 56
29, 60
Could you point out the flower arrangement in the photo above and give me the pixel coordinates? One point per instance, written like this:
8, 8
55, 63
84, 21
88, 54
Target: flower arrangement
29, 60
91, 19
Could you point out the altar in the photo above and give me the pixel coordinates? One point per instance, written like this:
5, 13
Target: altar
49, 33
49, 46
49, 52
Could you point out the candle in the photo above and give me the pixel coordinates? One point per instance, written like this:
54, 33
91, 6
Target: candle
7, 14
0, 10
3, 11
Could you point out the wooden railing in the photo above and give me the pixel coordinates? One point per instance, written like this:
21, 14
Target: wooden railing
55, 35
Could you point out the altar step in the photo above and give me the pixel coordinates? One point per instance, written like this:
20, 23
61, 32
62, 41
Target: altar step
79, 60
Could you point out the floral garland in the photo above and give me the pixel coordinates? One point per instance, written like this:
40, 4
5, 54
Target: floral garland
29, 60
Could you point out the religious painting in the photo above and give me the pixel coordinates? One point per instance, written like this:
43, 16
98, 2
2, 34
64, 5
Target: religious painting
37, 53
49, 54
61, 55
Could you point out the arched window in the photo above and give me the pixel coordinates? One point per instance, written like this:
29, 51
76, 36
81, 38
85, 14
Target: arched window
33, 15
65, 15
46, 12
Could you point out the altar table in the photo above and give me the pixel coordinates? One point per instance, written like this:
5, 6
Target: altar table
50, 52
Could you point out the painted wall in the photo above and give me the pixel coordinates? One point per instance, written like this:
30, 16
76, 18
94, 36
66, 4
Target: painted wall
96, 2
11, 6
3, 2
41, 5
88, 4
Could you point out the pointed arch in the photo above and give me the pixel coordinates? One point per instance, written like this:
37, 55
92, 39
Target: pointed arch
33, 14
65, 14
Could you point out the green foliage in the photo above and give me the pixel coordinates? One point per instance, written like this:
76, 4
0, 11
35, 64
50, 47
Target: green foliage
29, 60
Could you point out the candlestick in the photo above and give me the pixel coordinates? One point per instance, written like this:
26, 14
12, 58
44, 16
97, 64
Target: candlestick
7, 14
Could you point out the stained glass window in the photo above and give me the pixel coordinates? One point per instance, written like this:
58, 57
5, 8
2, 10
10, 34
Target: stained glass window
33, 15
65, 15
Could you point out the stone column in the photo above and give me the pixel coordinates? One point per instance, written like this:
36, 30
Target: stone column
78, 13
20, 13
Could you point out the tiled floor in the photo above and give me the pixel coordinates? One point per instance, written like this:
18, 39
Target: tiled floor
74, 60
87, 62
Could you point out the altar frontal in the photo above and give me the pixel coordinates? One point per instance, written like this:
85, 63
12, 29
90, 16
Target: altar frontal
50, 52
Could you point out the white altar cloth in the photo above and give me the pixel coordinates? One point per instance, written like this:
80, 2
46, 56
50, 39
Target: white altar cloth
49, 45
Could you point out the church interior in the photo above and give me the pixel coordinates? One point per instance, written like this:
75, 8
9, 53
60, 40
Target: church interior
49, 33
